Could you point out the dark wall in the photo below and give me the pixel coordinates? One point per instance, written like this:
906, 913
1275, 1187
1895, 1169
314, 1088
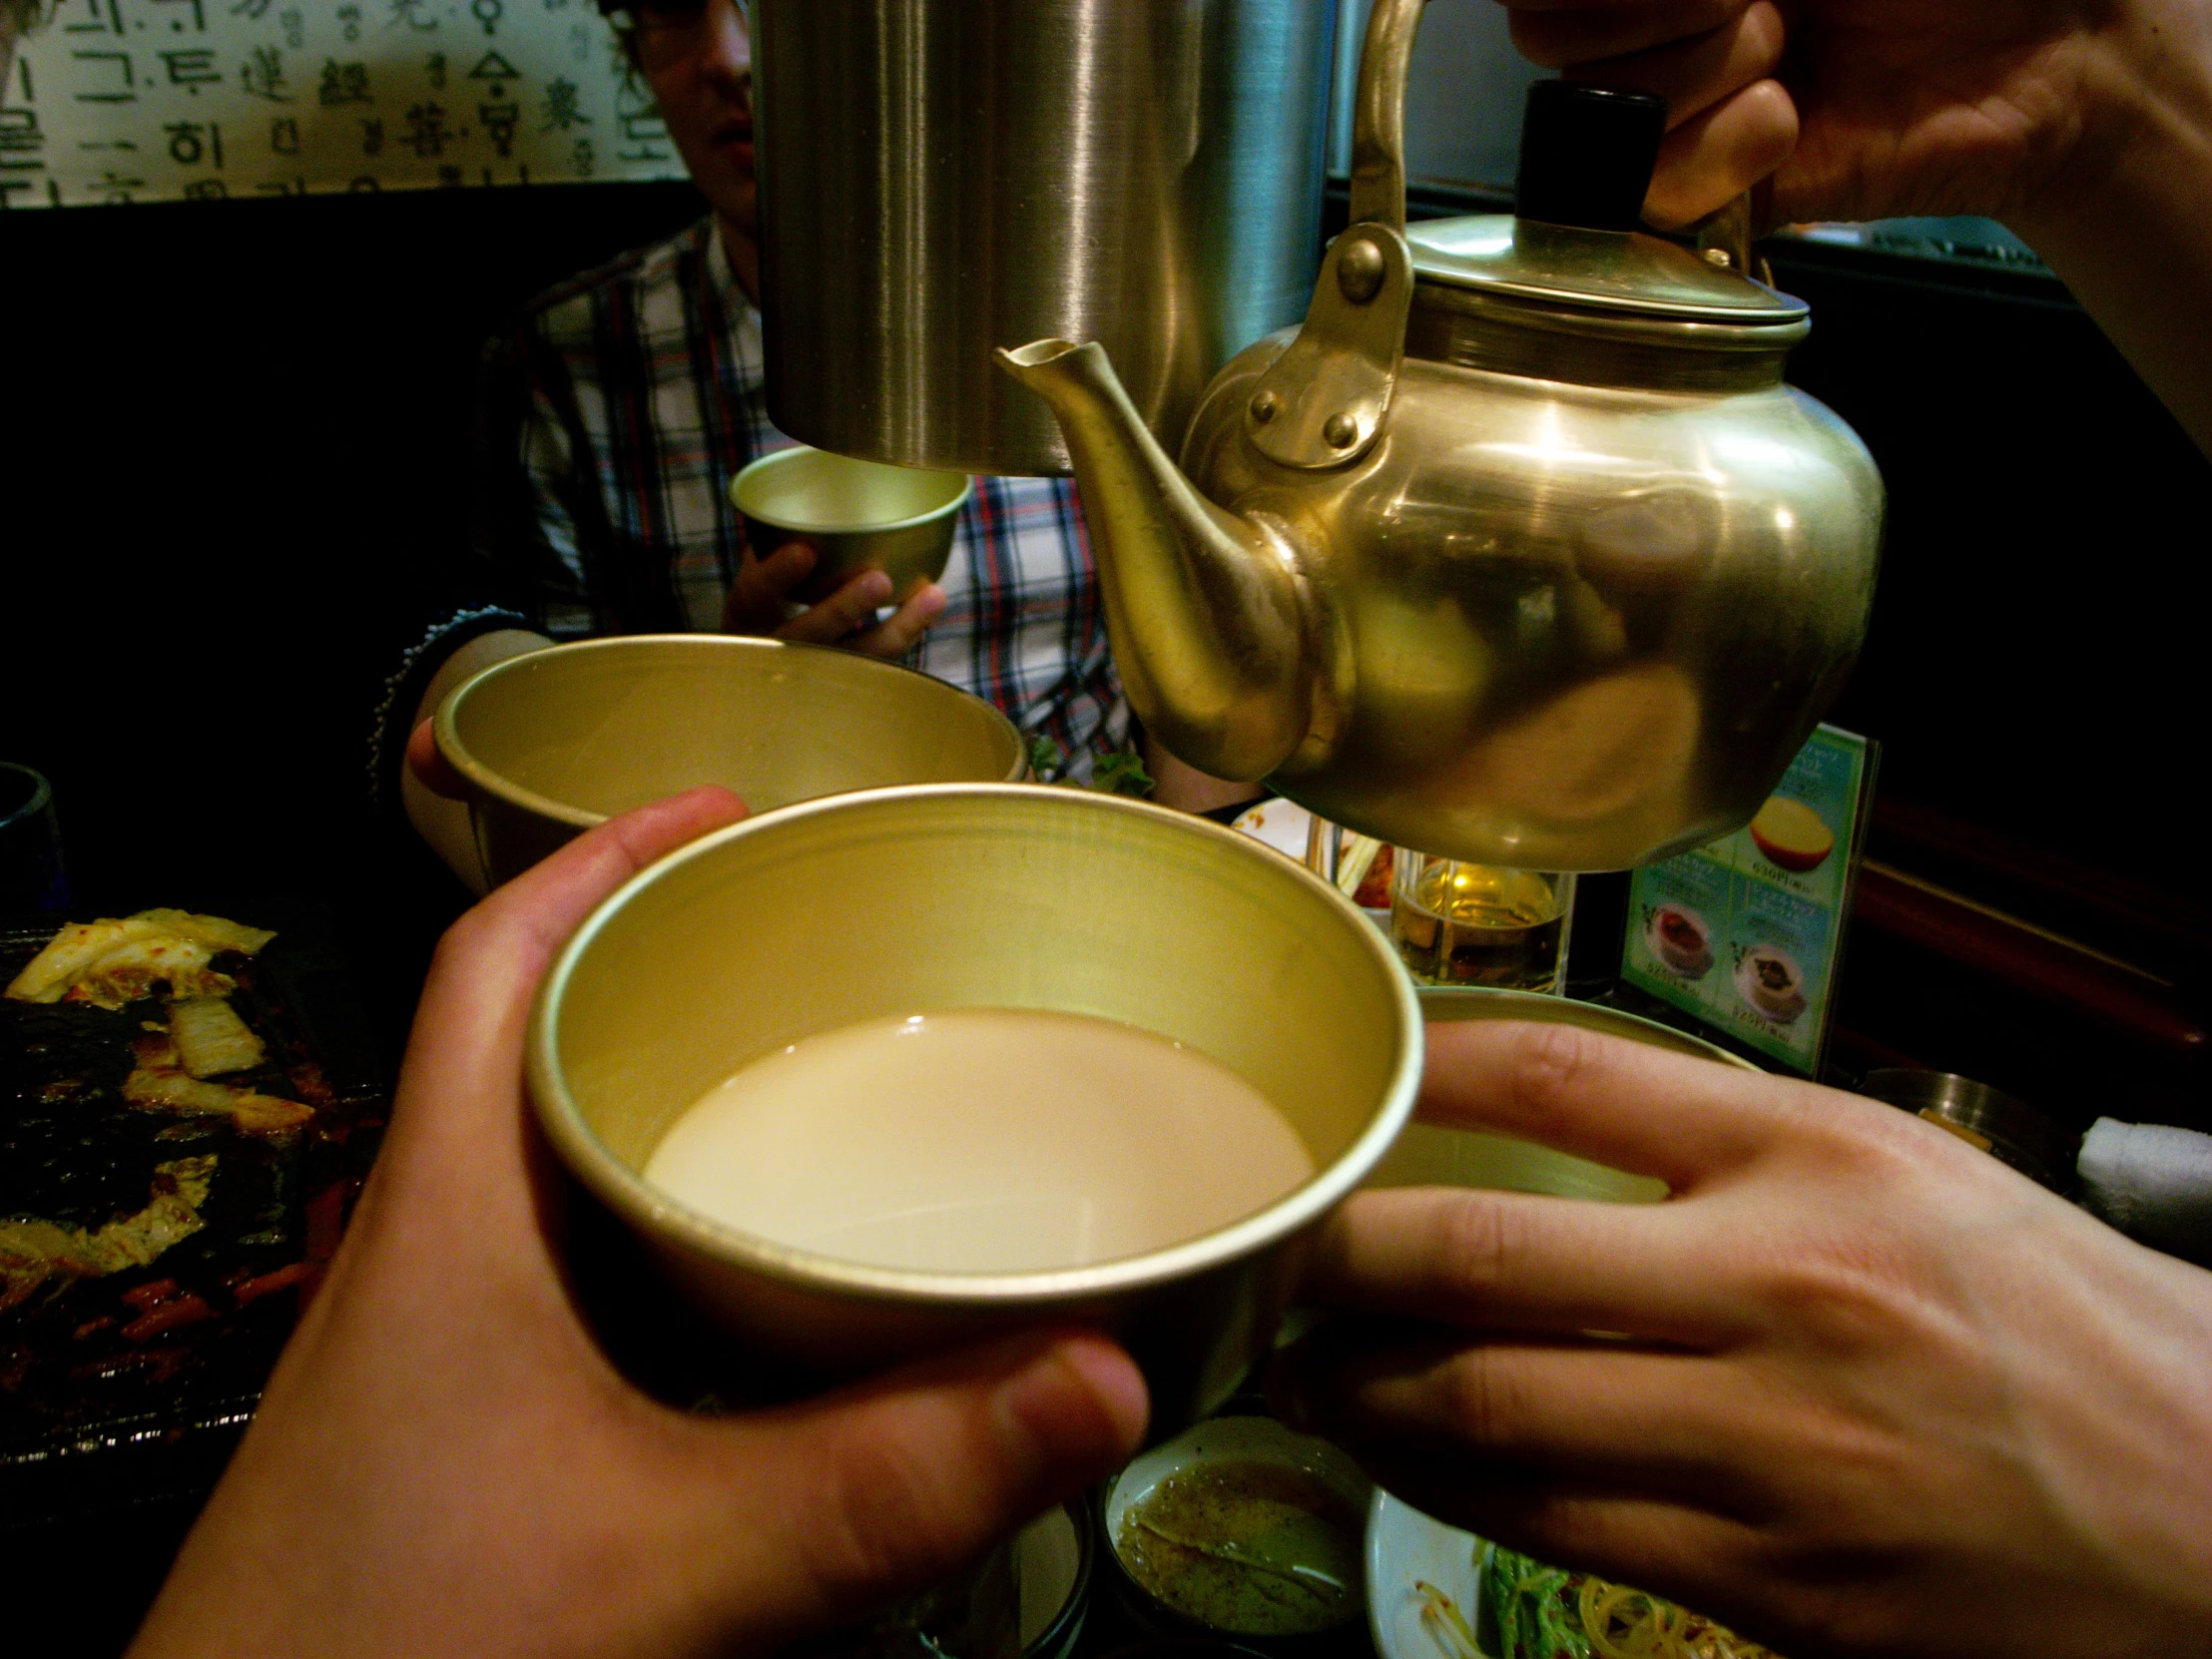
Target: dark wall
2034, 673
2034, 658
237, 441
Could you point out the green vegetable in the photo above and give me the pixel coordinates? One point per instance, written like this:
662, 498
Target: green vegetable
1535, 1609
1121, 775
1046, 757
1548, 1613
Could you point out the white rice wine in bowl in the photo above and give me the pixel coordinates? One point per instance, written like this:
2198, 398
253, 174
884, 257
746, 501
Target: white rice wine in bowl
981, 1140
1045, 937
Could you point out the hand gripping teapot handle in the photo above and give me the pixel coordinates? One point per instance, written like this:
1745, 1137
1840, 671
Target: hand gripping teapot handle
1378, 115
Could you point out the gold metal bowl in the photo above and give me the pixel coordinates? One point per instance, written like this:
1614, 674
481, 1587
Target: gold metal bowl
555, 741
860, 515
912, 900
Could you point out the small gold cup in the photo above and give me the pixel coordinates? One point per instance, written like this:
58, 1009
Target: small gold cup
860, 515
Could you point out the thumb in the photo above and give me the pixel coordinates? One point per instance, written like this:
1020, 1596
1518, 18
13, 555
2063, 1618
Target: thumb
908, 1478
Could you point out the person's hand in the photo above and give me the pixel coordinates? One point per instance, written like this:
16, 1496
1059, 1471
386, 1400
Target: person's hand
1870, 1392
1866, 109
445, 1463
429, 789
427, 764
756, 598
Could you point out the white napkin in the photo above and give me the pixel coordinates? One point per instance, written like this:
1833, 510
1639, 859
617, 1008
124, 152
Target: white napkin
2153, 1182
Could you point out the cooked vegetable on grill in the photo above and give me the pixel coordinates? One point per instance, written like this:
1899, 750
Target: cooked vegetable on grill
216, 932
111, 963
211, 1038
177, 1091
32, 1250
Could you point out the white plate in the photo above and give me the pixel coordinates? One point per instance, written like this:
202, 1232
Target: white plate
1405, 1545
1281, 824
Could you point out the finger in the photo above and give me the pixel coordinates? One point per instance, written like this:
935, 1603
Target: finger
429, 764
1715, 156
910, 1477
468, 1029
758, 592
1634, 1107
455, 1156
547, 902
843, 612
1555, 36
896, 635
1518, 1262
1694, 74
1615, 1416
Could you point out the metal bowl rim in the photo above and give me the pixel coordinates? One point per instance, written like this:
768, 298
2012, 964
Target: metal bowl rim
644, 1207
1542, 1006
479, 776
1065, 1623
769, 462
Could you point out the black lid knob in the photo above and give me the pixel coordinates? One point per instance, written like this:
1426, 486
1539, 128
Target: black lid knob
1587, 154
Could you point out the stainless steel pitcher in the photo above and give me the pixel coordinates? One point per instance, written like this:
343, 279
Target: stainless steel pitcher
939, 176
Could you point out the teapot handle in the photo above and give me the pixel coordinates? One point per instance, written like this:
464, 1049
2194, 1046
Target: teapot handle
1724, 237
1378, 115
1378, 142
1320, 403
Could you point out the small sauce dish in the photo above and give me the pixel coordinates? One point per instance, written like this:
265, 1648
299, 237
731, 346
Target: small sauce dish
1243, 1530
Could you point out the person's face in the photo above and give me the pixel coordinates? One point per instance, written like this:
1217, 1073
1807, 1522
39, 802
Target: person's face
699, 61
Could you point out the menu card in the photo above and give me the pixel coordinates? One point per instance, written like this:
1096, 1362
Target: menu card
1746, 933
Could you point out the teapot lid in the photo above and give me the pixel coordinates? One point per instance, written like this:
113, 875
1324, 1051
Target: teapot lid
1629, 273
1586, 159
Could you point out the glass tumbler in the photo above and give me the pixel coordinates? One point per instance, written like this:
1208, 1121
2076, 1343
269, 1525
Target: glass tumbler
34, 886
1456, 924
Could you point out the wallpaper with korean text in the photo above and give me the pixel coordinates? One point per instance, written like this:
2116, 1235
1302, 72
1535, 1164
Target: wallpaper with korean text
114, 101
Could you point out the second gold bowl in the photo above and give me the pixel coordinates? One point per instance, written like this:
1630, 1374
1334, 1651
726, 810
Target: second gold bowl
552, 742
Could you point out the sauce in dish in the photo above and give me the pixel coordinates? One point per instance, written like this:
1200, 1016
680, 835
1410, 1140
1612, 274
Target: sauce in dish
1248, 1546
985, 1140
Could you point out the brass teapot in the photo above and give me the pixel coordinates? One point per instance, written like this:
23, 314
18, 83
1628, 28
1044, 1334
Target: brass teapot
1518, 550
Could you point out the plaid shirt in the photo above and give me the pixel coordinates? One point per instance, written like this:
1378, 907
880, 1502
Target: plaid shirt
624, 403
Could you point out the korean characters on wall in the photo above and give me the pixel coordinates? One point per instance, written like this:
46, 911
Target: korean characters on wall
122, 101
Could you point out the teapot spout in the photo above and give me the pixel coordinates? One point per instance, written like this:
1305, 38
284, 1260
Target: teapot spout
1205, 609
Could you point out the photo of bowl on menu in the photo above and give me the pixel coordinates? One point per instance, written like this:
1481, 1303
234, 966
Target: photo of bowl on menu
1680, 940
1771, 984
